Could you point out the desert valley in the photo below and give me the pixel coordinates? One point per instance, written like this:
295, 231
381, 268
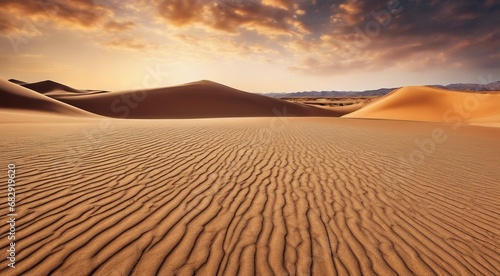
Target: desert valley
206, 179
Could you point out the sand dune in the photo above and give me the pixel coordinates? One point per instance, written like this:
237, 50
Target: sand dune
241, 196
433, 105
18, 81
347, 109
491, 121
15, 99
46, 86
52, 88
202, 99
246, 196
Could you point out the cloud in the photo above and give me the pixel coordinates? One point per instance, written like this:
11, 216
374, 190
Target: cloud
76, 13
128, 43
114, 26
283, 4
17, 16
328, 37
6, 26
213, 44
412, 35
180, 12
313, 36
270, 17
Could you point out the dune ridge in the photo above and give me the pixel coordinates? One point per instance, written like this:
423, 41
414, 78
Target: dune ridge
46, 86
203, 99
431, 104
16, 101
236, 196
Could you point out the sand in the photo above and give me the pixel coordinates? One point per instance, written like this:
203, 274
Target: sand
347, 109
252, 195
241, 196
21, 104
203, 99
340, 105
47, 86
433, 105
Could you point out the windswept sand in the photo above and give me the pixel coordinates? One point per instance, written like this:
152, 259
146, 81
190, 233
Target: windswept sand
252, 195
434, 105
203, 99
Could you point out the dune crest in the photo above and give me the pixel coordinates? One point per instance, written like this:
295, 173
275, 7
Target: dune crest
15, 99
430, 104
203, 99
46, 86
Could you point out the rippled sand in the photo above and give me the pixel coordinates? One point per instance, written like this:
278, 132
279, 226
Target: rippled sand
241, 196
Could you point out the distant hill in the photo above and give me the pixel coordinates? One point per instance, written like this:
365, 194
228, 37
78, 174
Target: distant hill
46, 86
494, 86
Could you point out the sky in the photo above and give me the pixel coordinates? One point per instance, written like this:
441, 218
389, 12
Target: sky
254, 45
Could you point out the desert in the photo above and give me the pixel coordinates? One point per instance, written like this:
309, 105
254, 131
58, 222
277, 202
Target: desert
269, 195
257, 137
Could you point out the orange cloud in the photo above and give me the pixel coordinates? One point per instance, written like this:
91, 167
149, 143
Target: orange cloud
6, 26
283, 4
180, 12
272, 17
115, 26
17, 16
226, 45
77, 13
128, 43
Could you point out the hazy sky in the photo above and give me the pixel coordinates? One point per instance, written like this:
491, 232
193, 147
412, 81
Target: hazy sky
255, 45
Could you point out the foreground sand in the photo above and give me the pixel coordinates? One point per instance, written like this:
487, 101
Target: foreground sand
253, 195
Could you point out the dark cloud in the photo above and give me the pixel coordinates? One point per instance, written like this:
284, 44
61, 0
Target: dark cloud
269, 17
336, 35
418, 34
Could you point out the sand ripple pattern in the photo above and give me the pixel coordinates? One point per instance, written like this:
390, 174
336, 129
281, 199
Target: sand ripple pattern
238, 197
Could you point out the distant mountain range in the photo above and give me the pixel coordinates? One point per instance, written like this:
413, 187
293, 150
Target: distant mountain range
494, 86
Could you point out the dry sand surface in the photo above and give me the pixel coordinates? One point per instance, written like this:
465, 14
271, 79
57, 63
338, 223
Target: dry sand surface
434, 105
238, 196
